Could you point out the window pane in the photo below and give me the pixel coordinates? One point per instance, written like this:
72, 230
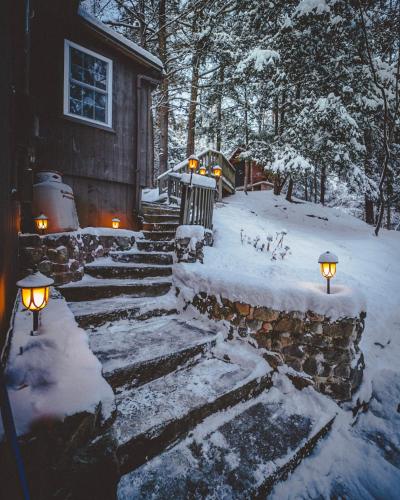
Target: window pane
77, 72
75, 107
101, 100
76, 57
88, 103
76, 91
100, 114
100, 74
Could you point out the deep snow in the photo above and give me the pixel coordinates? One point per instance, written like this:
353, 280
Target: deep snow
361, 457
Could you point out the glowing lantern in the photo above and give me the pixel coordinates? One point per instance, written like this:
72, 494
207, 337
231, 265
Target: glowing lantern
193, 163
115, 223
327, 262
41, 223
202, 170
217, 171
35, 295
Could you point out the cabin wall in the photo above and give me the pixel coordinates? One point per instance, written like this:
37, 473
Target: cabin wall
9, 206
100, 165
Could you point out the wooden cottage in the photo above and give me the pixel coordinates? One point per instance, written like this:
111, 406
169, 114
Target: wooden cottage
90, 92
258, 178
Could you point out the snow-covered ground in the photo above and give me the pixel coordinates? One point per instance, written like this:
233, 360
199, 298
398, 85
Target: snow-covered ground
361, 458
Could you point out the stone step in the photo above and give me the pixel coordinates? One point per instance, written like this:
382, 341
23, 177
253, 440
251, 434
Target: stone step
98, 312
159, 209
143, 257
155, 415
159, 235
133, 353
127, 271
160, 226
155, 246
241, 453
162, 218
93, 288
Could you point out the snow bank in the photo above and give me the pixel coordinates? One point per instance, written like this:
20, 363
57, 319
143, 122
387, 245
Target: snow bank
187, 231
54, 374
108, 231
198, 180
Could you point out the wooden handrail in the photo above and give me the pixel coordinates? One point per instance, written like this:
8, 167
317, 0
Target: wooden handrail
197, 205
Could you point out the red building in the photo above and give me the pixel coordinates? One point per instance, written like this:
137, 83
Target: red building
258, 178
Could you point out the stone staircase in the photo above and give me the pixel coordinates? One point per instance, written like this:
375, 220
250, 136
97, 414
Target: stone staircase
170, 372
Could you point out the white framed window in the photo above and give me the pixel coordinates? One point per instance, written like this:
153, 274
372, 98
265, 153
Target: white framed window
87, 85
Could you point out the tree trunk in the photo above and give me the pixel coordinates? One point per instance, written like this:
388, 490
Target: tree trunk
218, 142
315, 186
323, 186
163, 111
306, 188
194, 89
369, 203
246, 175
276, 116
290, 190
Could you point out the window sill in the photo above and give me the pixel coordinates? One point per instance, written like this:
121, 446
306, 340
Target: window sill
89, 124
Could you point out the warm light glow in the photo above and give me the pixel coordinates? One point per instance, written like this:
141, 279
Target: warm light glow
202, 170
328, 269
35, 299
217, 171
41, 222
115, 223
193, 163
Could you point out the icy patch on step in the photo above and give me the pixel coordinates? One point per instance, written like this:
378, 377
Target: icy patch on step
44, 371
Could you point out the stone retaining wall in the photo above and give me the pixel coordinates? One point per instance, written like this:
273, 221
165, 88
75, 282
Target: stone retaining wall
326, 351
62, 256
189, 244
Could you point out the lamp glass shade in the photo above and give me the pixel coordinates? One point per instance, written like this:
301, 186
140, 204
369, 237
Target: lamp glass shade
202, 170
41, 222
35, 291
328, 269
193, 163
115, 223
217, 171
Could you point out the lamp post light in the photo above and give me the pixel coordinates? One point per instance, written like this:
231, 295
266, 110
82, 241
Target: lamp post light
35, 295
327, 262
115, 222
193, 163
202, 170
41, 222
217, 171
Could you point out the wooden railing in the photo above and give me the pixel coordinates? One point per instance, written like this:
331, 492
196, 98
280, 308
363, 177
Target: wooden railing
197, 205
208, 158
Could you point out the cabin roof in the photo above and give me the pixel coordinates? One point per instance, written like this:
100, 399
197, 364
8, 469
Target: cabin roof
120, 42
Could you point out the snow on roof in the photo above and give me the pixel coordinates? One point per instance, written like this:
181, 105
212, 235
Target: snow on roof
144, 55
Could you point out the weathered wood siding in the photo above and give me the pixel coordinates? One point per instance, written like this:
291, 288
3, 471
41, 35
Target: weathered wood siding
100, 165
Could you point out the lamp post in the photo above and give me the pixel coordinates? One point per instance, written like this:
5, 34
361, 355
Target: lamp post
193, 163
41, 222
217, 171
35, 295
115, 222
327, 262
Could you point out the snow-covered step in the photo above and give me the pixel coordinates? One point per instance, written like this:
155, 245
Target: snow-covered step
133, 352
159, 235
129, 270
90, 288
156, 414
158, 208
162, 218
142, 257
97, 312
240, 453
160, 226
155, 246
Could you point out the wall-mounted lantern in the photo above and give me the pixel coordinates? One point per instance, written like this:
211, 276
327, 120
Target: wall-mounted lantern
35, 295
41, 223
115, 222
202, 170
327, 262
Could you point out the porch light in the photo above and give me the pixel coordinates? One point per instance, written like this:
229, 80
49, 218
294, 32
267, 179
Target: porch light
41, 223
202, 170
193, 163
35, 295
217, 171
115, 223
327, 262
